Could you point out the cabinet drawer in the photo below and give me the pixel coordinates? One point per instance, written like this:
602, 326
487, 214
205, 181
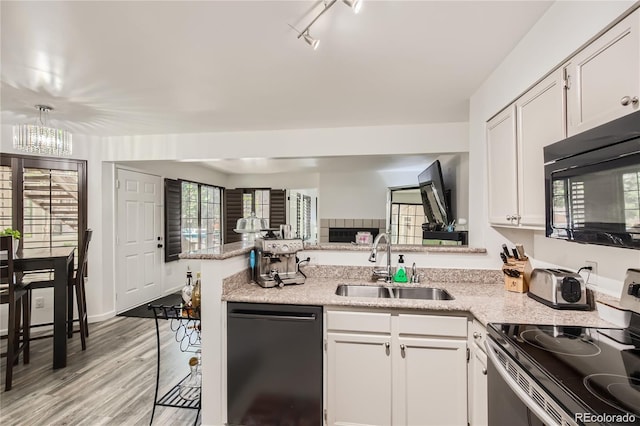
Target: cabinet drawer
432, 325
359, 321
477, 334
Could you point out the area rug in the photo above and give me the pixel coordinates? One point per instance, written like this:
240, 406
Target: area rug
142, 311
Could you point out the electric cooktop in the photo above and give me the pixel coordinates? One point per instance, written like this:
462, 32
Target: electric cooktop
587, 370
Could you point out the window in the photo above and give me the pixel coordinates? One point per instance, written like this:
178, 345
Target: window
268, 204
6, 195
45, 199
50, 211
406, 223
201, 216
631, 188
303, 216
407, 216
256, 201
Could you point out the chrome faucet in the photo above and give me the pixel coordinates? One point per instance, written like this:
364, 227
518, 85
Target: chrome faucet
385, 274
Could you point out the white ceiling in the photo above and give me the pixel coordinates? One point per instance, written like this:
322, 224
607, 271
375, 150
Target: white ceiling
125, 67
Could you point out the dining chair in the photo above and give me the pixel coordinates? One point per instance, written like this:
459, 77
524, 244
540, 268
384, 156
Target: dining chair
14, 293
38, 281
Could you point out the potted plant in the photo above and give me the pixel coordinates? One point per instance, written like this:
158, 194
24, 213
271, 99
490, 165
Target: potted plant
15, 234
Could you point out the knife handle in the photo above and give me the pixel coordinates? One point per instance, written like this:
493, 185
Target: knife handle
520, 249
505, 250
515, 254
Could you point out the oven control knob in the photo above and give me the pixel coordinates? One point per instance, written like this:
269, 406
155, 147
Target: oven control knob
571, 289
634, 290
285, 247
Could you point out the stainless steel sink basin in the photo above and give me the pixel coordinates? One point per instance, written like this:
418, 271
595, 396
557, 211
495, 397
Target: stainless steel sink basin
424, 293
427, 293
363, 291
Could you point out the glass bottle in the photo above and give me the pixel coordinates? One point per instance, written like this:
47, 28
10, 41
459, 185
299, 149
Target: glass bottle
187, 290
196, 296
190, 388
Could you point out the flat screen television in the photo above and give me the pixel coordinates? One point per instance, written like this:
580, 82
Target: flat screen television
434, 197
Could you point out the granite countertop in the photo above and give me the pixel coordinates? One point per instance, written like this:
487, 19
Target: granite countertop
487, 302
394, 248
242, 247
219, 253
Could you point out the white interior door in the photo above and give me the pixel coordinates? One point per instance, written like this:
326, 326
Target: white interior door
137, 229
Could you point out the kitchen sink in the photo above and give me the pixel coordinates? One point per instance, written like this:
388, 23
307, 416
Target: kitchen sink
363, 291
385, 292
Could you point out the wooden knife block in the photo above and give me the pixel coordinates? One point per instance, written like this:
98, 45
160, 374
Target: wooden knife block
520, 284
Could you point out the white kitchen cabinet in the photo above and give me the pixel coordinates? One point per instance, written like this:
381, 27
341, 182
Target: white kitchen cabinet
604, 78
515, 141
502, 167
431, 382
478, 402
416, 374
358, 379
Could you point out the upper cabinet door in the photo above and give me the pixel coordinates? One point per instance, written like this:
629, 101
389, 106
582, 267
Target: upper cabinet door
502, 168
541, 121
604, 78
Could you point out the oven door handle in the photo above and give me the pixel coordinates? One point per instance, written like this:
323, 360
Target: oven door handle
492, 347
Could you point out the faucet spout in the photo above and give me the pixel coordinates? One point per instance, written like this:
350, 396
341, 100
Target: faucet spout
387, 275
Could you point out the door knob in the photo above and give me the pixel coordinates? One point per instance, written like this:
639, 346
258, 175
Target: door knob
626, 100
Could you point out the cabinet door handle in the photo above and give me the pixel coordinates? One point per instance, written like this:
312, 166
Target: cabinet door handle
386, 345
402, 350
484, 371
626, 100
476, 335
509, 218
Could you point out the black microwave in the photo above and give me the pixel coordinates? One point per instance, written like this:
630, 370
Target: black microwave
592, 185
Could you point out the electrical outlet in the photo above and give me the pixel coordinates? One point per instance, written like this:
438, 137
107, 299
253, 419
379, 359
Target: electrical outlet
39, 302
593, 276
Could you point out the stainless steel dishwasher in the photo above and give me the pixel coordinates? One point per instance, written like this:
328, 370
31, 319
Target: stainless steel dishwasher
274, 364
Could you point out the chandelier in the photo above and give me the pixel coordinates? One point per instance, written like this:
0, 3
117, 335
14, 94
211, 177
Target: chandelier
40, 138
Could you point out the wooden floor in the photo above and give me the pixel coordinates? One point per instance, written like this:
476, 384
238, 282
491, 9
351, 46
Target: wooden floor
111, 383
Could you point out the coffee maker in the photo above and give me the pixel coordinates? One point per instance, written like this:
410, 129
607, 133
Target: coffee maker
276, 262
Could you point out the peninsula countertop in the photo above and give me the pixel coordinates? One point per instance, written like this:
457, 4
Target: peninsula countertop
225, 251
487, 302
229, 250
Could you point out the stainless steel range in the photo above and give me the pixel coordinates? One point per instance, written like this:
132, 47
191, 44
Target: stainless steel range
567, 375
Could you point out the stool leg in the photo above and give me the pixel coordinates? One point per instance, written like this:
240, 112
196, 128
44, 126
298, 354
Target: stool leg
81, 316
11, 335
26, 326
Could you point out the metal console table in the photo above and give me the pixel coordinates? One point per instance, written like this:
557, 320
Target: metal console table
185, 325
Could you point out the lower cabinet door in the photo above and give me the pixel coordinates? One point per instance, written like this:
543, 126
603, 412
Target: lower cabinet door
358, 379
479, 403
430, 382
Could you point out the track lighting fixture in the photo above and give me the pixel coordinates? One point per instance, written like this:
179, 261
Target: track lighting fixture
353, 4
310, 40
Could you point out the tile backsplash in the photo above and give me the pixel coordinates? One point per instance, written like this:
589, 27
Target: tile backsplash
325, 224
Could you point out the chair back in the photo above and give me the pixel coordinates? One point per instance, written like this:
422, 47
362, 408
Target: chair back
82, 255
7, 276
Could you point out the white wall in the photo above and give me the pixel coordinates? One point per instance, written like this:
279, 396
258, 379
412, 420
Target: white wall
565, 27
273, 180
408, 139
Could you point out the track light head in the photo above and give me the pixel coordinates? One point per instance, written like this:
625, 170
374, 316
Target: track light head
310, 40
356, 5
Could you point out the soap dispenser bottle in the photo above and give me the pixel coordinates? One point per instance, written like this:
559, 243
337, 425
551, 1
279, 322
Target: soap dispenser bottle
401, 272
